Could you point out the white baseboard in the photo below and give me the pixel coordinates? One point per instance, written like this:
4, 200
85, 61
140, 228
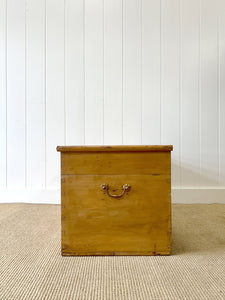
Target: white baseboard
52, 195
203, 195
41, 196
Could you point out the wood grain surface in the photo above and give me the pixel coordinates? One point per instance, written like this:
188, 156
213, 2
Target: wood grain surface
115, 163
93, 222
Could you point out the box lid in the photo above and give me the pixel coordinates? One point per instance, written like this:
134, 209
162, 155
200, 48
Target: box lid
116, 148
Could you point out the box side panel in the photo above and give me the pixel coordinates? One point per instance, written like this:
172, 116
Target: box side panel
116, 163
138, 223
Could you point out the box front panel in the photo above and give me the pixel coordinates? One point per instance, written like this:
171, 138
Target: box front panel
115, 163
96, 222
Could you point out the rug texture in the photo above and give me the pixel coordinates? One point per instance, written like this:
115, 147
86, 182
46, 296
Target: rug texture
31, 266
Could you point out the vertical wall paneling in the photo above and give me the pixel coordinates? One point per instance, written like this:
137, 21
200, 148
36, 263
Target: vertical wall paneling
16, 102
74, 72
113, 72
54, 88
94, 102
190, 148
209, 94
221, 86
151, 71
35, 92
3, 104
170, 81
132, 71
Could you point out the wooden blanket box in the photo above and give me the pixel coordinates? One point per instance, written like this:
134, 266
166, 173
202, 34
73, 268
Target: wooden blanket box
115, 200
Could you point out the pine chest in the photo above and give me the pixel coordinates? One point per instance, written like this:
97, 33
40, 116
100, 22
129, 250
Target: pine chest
115, 200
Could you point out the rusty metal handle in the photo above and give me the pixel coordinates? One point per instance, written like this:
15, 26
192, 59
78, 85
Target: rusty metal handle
125, 187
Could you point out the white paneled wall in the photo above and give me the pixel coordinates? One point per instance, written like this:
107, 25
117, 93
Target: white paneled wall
35, 94
76, 72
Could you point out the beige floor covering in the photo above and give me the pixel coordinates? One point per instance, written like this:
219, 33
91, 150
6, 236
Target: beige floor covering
31, 266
